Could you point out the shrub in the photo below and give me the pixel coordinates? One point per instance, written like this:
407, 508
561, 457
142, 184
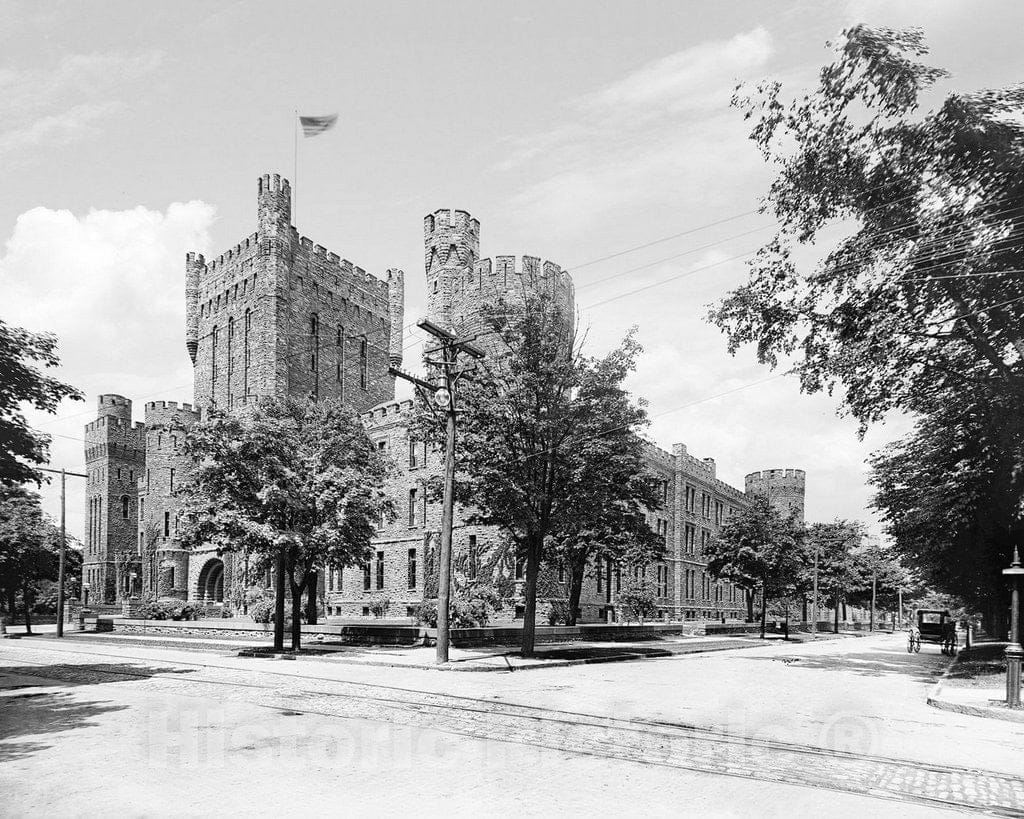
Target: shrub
470, 607
639, 598
262, 611
166, 609
379, 605
558, 613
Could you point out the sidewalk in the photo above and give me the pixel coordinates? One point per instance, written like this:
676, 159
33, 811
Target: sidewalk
973, 685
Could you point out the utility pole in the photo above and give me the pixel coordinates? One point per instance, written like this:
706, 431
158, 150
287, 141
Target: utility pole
63, 542
444, 397
899, 603
814, 612
874, 581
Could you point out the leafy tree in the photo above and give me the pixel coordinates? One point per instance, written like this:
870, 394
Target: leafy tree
949, 494
841, 570
927, 276
286, 479
29, 549
759, 550
547, 448
918, 306
24, 382
640, 597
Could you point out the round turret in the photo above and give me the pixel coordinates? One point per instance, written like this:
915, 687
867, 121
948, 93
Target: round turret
451, 244
784, 489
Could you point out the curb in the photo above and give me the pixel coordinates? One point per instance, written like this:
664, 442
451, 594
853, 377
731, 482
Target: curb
509, 668
993, 712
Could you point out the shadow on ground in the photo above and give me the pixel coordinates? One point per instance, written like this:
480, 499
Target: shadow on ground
28, 710
33, 714
870, 663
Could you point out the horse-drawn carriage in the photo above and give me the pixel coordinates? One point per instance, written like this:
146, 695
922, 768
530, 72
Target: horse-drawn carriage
933, 627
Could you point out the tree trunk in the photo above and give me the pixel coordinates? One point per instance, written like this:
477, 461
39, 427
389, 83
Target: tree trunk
279, 573
530, 609
312, 582
27, 603
575, 591
764, 612
296, 589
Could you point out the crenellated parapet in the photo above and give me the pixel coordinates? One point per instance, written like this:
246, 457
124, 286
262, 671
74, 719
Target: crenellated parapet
170, 415
784, 488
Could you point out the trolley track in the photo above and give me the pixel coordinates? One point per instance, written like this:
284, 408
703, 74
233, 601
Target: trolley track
665, 744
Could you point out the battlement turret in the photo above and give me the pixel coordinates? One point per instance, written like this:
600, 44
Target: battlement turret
396, 315
274, 204
114, 405
451, 245
784, 488
195, 265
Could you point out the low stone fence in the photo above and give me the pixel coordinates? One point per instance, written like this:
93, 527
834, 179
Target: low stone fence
395, 633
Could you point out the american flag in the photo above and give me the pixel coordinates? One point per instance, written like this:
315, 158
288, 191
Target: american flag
311, 126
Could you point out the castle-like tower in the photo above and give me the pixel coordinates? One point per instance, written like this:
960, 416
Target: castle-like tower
168, 468
461, 286
274, 315
784, 488
114, 458
279, 315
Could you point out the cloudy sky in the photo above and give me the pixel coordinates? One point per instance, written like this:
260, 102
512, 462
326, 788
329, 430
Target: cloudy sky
131, 133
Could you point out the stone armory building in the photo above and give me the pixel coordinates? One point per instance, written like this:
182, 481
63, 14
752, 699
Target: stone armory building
279, 315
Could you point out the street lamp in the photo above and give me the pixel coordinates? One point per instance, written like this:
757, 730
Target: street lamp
1014, 651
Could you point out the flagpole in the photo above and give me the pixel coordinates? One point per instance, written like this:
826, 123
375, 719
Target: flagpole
295, 167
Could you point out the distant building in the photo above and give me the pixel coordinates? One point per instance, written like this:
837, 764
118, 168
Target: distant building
279, 315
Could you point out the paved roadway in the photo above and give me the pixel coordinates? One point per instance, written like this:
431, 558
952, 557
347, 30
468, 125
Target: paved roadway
838, 726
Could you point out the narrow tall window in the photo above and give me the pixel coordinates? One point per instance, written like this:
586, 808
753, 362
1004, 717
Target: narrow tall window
599, 568
142, 508
366, 577
231, 343
362, 363
472, 559
314, 357
172, 478
412, 568
214, 339
124, 507
413, 460
561, 572
167, 524
691, 498
380, 570
245, 352
412, 507
520, 567
340, 366
142, 542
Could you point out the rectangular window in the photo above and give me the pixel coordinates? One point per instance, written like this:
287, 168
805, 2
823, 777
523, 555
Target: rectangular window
413, 460
690, 532
362, 363
366, 577
330, 580
245, 360
412, 507
171, 578
142, 508
215, 336
599, 568
167, 524
520, 567
412, 568
561, 572
472, 559
691, 498
380, 570
172, 478
719, 512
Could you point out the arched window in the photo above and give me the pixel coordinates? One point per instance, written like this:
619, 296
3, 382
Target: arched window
124, 507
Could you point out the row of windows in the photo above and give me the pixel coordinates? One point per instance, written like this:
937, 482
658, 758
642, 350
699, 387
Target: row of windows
339, 368
231, 294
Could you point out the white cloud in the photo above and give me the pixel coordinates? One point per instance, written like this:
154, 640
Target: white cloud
62, 104
110, 284
687, 79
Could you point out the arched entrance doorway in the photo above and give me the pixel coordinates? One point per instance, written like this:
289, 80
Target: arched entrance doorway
211, 582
